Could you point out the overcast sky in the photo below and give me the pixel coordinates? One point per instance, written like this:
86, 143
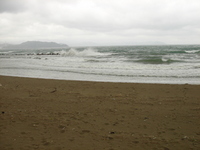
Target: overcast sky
100, 22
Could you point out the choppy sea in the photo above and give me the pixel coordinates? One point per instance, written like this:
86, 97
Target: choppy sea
171, 64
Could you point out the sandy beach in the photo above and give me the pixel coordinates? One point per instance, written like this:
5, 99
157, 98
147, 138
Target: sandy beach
49, 114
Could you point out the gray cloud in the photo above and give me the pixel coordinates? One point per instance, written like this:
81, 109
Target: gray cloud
100, 21
12, 6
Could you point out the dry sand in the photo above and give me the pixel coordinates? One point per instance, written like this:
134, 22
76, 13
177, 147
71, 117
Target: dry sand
62, 115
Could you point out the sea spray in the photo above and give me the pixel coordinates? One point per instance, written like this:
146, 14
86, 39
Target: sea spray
84, 53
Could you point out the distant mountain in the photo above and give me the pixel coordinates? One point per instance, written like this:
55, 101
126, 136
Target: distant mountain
35, 45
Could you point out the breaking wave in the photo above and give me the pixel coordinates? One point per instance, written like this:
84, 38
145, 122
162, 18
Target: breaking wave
85, 53
193, 51
157, 60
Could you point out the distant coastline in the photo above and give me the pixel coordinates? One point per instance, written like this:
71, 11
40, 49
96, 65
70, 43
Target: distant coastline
34, 45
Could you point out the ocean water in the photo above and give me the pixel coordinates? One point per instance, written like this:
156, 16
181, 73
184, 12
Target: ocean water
173, 64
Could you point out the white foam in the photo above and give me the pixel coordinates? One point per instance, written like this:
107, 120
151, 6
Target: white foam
165, 59
192, 51
85, 53
6, 52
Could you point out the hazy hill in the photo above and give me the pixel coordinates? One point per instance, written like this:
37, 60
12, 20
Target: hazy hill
35, 45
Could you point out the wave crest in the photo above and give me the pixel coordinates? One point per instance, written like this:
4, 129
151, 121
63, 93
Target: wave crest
157, 60
193, 51
85, 53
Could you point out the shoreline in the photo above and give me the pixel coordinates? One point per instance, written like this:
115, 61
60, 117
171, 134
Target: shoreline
102, 81
60, 114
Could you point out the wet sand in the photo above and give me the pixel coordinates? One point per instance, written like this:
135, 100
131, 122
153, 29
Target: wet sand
48, 114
